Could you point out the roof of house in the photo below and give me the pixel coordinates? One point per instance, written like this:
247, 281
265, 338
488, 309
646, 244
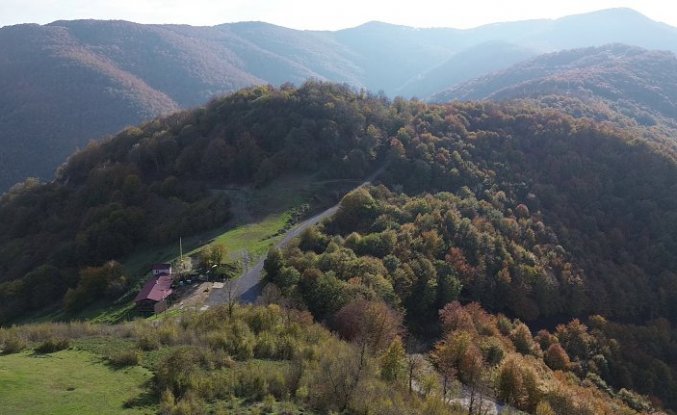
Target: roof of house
155, 289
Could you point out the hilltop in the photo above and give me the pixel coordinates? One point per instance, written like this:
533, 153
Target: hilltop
69, 82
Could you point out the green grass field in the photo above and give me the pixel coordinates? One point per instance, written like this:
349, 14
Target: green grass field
254, 238
69, 382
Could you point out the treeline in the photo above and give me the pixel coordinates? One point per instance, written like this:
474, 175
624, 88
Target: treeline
151, 184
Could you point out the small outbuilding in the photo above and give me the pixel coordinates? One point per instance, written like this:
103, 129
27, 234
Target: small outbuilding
153, 296
159, 269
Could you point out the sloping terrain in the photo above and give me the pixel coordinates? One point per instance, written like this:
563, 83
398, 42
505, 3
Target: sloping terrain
634, 82
68, 82
527, 210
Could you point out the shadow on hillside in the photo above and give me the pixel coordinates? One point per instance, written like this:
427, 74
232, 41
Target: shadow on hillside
146, 399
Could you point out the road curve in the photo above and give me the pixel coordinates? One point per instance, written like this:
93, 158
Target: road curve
248, 286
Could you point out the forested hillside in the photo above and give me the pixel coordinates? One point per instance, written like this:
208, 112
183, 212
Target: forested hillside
619, 83
528, 211
150, 185
68, 82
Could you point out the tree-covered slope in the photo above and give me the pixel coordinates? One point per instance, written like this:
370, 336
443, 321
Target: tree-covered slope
71, 81
635, 83
55, 95
467, 64
531, 212
153, 184
150, 185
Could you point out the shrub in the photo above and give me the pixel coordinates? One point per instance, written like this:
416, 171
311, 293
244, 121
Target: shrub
124, 358
191, 404
175, 371
263, 318
286, 347
52, 345
544, 408
251, 384
522, 339
167, 402
148, 342
168, 334
266, 346
504, 324
13, 344
556, 357
492, 351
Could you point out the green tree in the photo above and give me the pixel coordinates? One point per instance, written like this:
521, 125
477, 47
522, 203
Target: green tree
393, 361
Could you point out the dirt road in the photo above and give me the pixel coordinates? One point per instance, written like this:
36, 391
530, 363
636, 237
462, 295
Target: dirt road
248, 287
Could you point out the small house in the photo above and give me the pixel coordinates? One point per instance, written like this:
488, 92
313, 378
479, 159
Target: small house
153, 296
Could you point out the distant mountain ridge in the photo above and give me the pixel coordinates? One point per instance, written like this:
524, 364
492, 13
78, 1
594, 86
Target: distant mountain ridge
68, 82
633, 82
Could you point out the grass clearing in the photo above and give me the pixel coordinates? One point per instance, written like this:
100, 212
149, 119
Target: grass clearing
69, 382
253, 238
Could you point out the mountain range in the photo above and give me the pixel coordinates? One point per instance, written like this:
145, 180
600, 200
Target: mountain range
636, 82
68, 82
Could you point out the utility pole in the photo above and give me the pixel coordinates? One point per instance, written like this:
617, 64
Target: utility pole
181, 266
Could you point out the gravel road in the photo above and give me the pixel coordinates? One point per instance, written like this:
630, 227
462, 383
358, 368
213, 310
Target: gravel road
248, 287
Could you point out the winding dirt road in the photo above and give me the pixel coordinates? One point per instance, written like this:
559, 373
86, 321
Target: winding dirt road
247, 287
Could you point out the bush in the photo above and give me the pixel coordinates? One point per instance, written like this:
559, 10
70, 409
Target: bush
251, 384
148, 342
522, 339
556, 357
52, 345
492, 351
504, 324
168, 335
13, 344
175, 372
266, 346
191, 404
124, 358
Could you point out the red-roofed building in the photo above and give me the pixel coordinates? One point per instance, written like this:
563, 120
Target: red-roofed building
153, 296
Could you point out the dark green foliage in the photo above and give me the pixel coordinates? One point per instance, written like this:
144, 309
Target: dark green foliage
273, 263
52, 345
432, 255
95, 283
322, 292
356, 212
124, 358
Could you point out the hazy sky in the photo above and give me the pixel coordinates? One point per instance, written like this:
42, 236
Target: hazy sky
319, 14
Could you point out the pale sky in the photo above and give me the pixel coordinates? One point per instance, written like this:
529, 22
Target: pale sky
320, 14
